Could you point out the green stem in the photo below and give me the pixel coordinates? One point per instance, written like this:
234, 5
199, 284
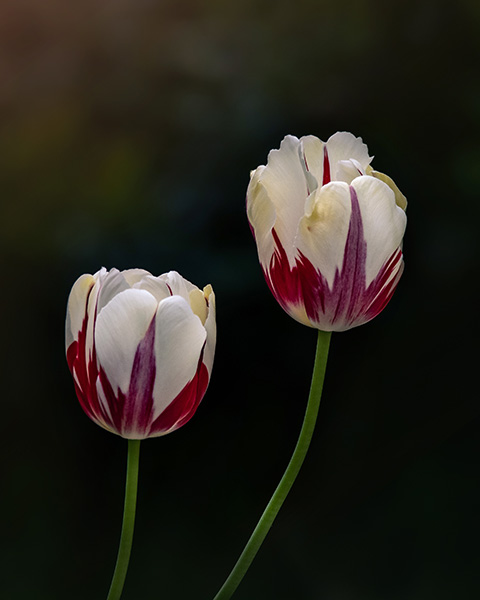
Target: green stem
271, 511
126, 537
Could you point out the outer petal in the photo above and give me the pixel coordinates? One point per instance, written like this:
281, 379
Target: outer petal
120, 328
323, 231
383, 222
286, 185
211, 329
399, 197
179, 340
306, 295
261, 215
77, 308
90, 357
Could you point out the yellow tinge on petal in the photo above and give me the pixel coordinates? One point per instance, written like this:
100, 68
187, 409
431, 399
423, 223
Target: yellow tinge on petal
400, 199
198, 304
207, 291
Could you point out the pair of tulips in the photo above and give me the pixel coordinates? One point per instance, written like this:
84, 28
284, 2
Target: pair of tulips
329, 232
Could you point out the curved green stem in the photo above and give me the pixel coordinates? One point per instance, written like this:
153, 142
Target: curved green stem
126, 537
271, 511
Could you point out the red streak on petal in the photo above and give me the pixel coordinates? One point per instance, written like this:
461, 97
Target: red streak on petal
326, 166
85, 372
132, 413
281, 279
348, 302
184, 406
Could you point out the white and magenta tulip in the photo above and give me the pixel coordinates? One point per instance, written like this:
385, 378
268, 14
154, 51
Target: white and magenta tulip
140, 349
328, 229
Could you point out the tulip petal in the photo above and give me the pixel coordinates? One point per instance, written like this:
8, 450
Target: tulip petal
179, 340
345, 146
347, 301
120, 327
211, 329
77, 307
133, 276
177, 284
348, 170
261, 216
399, 197
314, 158
111, 284
131, 414
383, 222
198, 304
183, 407
284, 181
90, 356
155, 286
323, 230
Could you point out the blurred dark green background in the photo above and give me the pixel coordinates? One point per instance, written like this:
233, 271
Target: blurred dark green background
128, 130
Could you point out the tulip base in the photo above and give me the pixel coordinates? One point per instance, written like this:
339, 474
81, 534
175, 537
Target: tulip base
126, 537
303, 443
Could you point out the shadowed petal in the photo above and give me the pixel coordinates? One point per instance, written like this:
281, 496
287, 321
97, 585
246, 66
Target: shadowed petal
383, 222
77, 307
179, 339
211, 329
285, 183
261, 215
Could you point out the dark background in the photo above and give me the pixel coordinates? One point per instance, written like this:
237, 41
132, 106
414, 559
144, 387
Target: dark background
128, 130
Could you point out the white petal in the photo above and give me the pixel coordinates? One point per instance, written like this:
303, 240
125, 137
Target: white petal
347, 170
155, 285
92, 310
344, 146
313, 152
284, 181
261, 216
110, 285
179, 339
323, 231
383, 222
77, 307
399, 197
178, 285
120, 327
133, 276
211, 329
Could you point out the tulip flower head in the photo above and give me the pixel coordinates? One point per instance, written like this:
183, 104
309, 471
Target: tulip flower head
328, 229
140, 349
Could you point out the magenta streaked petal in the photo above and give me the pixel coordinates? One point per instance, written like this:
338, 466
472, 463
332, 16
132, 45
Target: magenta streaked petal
130, 415
184, 406
349, 302
83, 374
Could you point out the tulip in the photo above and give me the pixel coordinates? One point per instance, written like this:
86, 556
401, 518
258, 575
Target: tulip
328, 229
140, 349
